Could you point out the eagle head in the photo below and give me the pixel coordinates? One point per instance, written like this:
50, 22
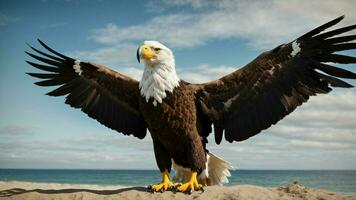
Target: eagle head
159, 75
154, 53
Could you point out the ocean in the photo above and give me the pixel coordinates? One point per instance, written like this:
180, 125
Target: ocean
339, 181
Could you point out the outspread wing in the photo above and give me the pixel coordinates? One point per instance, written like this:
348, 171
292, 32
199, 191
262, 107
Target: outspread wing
103, 94
251, 99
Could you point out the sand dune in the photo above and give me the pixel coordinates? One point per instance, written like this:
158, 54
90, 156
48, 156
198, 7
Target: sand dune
37, 191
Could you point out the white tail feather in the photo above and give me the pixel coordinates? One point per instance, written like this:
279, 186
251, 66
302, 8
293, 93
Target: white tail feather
216, 170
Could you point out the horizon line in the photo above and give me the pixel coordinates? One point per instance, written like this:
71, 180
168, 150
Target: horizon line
110, 169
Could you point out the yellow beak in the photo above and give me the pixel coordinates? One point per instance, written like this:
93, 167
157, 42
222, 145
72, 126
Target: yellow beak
145, 52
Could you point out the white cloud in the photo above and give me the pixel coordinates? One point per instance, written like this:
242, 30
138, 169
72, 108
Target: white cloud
332, 110
204, 73
132, 72
264, 24
120, 57
192, 3
167, 29
157, 6
341, 99
119, 54
96, 150
324, 119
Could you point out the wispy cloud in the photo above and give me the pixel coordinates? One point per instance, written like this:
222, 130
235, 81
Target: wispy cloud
95, 150
120, 57
193, 3
15, 130
6, 20
264, 24
204, 73
118, 54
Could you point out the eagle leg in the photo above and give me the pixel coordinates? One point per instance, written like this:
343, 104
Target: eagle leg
191, 185
166, 183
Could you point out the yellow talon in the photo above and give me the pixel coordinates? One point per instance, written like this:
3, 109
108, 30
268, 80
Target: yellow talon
164, 185
191, 185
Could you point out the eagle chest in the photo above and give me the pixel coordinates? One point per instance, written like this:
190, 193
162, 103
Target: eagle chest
175, 115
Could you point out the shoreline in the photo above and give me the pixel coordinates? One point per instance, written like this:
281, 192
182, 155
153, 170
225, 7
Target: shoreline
29, 190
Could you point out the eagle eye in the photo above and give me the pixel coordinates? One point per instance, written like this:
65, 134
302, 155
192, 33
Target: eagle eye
157, 49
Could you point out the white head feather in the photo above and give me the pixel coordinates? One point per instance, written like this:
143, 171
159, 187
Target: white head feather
159, 75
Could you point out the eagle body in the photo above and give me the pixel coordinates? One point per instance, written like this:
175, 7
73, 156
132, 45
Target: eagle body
180, 116
175, 129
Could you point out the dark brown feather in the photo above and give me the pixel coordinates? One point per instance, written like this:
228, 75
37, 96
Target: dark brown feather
63, 90
341, 47
55, 81
43, 67
321, 28
45, 60
335, 32
340, 39
335, 71
54, 52
45, 54
43, 76
334, 82
336, 58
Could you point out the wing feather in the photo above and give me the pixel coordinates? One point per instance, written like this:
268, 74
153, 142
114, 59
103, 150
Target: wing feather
46, 55
43, 76
64, 89
54, 52
335, 32
336, 58
334, 71
342, 39
44, 68
45, 60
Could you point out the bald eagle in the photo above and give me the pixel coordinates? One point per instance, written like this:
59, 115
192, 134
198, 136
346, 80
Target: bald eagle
180, 115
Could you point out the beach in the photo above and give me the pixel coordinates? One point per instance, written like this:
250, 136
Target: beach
341, 182
37, 191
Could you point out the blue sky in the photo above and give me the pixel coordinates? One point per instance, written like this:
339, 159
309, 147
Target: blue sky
209, 39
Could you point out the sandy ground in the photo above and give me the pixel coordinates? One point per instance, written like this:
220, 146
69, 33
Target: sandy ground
35, 191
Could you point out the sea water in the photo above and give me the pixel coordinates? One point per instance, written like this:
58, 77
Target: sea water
339, 181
